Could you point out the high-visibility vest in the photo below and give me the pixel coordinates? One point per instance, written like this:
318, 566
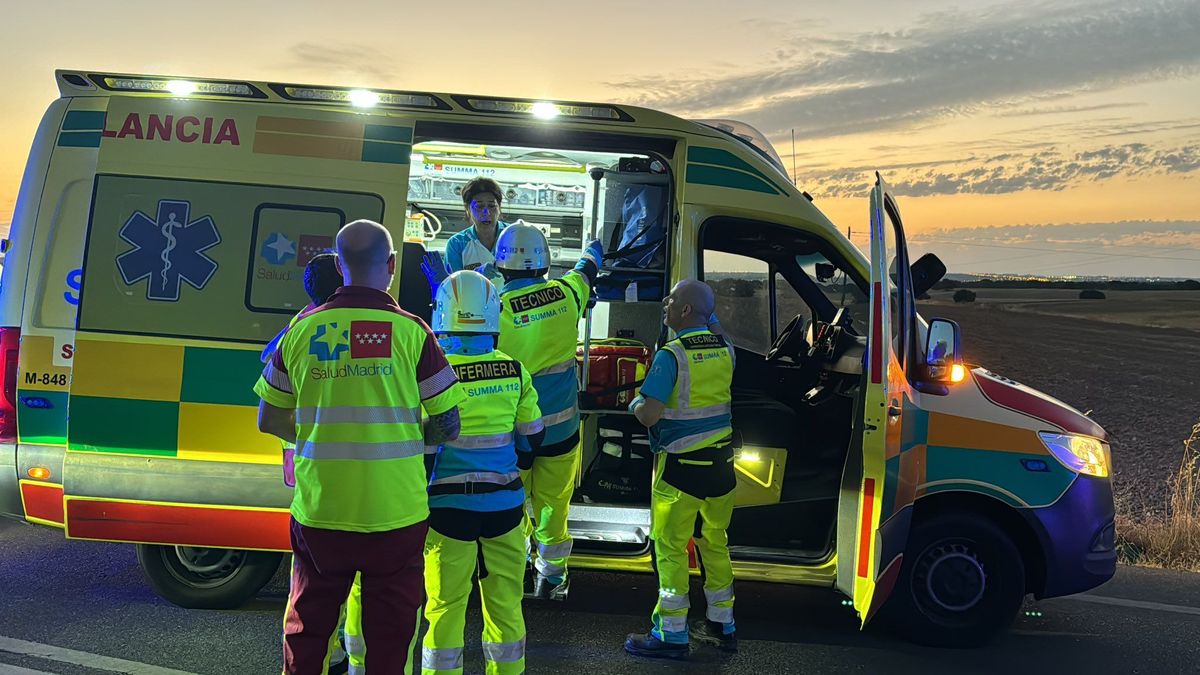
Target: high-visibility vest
500, 400
539, 326
358, 372
698, 411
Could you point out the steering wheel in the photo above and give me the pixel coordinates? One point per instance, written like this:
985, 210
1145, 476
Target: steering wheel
791, 341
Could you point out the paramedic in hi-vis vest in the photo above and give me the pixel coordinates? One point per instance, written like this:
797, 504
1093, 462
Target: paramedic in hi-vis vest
347, 385
475, 247
476, 499
685, 401
539, 326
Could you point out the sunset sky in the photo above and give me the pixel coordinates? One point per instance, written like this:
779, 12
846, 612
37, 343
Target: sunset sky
1055, 137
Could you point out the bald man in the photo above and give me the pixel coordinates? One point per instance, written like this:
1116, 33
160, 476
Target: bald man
347, 385
685, 403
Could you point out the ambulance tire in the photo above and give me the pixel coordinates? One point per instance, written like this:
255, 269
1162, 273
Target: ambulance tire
198, 578
961, 584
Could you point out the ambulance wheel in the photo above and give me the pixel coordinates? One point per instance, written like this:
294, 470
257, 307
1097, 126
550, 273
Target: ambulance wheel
961, 583
206, 578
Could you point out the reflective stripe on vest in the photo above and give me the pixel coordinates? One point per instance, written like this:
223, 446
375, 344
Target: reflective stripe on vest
556, 368
560, 417
478, 477
360, 451
484, 441
531, 428
362, 414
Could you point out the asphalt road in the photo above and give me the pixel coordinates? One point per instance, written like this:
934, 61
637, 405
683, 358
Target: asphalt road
84, 608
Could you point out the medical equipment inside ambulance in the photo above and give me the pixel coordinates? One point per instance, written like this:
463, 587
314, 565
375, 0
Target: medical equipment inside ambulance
549, 189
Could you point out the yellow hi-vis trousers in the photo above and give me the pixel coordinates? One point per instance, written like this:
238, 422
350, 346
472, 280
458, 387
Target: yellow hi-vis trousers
672, 522
549, 484
449, 567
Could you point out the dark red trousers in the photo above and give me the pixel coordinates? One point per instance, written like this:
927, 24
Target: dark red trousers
393, 589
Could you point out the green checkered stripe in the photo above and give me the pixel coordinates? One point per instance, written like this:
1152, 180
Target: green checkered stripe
721, 168
133, 426
81, 129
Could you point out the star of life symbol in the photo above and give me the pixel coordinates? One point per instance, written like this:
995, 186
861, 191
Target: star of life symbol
168, 250
278, 249
328, 342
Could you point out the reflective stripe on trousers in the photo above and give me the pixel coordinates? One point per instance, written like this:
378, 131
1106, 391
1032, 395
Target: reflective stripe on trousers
720, 604
360, 451
450, 658
504, 652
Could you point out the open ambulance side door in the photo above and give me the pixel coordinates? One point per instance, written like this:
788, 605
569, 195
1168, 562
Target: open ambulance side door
878, 485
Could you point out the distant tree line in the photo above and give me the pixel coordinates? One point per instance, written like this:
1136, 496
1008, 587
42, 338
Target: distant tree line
1115, 285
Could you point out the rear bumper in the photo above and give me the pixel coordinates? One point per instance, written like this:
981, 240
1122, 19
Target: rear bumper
1078, 538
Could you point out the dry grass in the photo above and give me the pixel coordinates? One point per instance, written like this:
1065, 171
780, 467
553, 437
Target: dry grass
1170, 539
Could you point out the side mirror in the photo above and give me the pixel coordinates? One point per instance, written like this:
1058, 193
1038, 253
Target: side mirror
925, 273
942, 351
825, 271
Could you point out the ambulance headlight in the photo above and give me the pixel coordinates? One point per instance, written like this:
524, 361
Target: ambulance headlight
1082, 454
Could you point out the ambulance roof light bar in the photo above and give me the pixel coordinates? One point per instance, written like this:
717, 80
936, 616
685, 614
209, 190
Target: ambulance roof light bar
360, 98
546, 110
176, 86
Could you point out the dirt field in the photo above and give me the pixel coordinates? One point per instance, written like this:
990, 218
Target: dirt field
1141, 383
1132, 359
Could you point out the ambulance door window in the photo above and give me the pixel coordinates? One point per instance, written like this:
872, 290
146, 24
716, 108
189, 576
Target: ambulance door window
743, 298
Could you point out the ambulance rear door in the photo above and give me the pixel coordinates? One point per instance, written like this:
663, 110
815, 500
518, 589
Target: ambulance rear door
878, 485
203, 217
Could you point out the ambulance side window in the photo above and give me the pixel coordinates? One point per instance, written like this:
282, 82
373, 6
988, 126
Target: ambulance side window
743, 298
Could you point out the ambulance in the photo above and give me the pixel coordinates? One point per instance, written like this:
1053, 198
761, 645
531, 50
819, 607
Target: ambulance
158, 242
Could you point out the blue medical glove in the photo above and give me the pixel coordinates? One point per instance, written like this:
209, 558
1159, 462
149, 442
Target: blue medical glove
488, 270
594, 252
435, 268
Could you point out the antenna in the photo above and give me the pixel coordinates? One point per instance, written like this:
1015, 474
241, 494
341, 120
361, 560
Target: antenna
793, 156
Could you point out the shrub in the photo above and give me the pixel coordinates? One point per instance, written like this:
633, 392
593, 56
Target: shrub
1091, 294
1172, 539
963, 295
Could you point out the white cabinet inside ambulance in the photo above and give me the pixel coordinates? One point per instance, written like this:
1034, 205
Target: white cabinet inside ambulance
159, 240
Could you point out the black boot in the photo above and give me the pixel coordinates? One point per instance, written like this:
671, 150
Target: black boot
645, 644
712, 633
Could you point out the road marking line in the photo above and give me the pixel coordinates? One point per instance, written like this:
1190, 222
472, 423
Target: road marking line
1137, 604
7, 669
85, 659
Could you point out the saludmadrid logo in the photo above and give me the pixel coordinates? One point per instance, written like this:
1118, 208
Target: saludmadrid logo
353, 370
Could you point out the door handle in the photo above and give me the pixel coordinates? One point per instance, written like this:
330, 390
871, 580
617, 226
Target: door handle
894, 410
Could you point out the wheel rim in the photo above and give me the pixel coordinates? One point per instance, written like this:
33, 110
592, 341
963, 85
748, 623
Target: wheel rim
202, 567
950, 578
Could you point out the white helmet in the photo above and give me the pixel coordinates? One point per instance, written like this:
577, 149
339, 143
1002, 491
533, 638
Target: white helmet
522, 247
466, 302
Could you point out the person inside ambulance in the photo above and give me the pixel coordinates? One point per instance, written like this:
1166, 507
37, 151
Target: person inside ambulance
685, 402
539, 326
348, 385
475, 247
